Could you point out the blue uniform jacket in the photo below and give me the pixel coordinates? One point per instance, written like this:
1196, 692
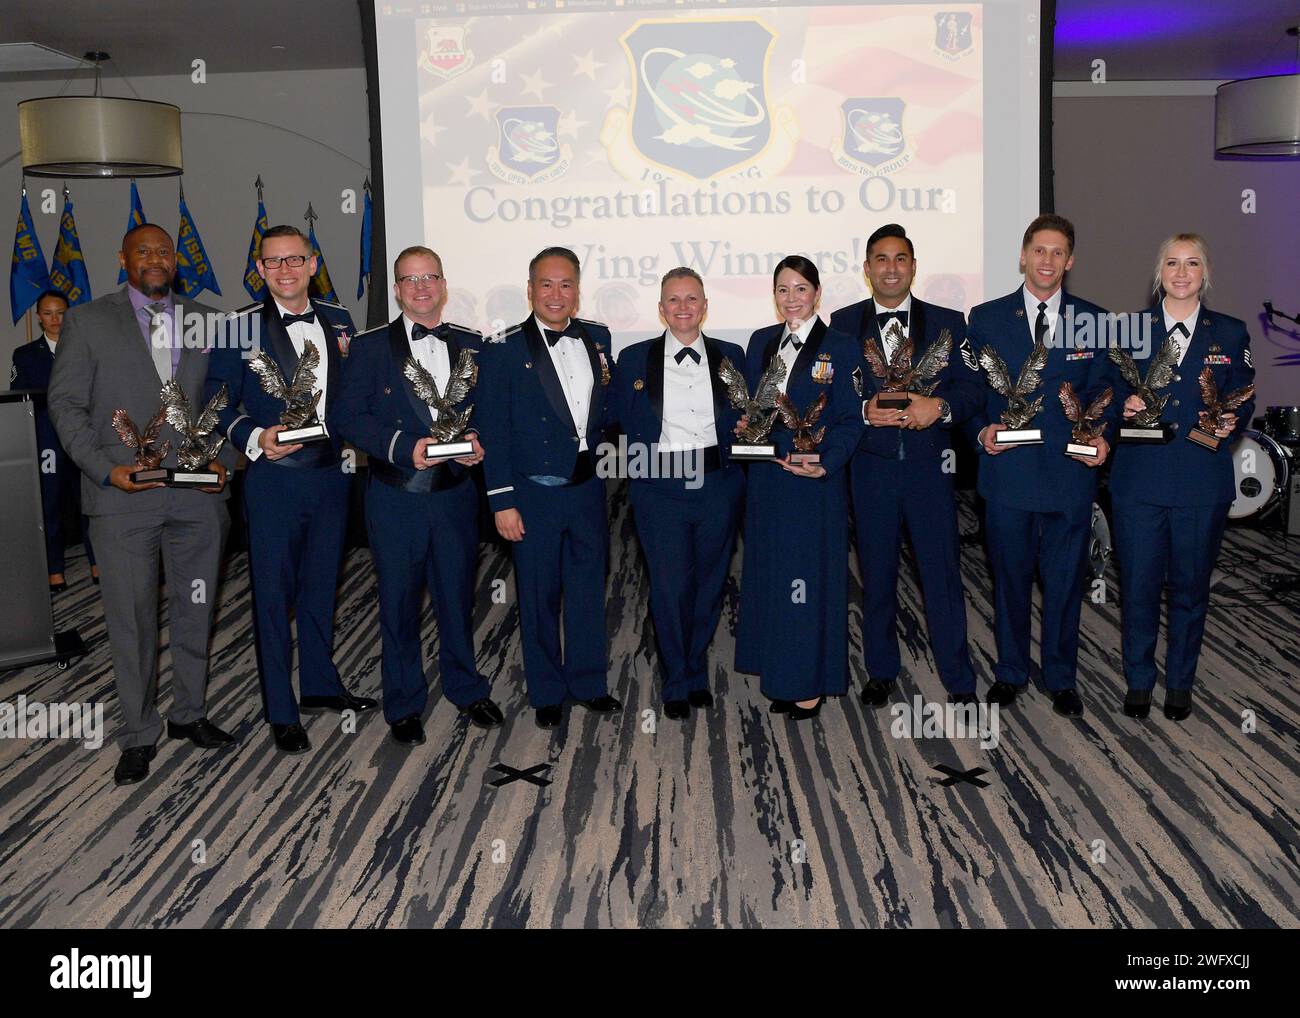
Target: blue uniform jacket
524, 421
32, 365
377, 409
1182, 473
843, 413
959, 380
1040, 478
637, 395
250, 407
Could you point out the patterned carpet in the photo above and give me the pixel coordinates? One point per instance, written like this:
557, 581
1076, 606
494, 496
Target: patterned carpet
735, 818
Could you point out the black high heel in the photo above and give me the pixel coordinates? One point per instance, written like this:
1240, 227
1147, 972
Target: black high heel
798, 713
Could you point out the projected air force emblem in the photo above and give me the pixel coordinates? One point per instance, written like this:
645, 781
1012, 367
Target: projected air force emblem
700, 104
952, 35
872, 140
527, 149
445, 55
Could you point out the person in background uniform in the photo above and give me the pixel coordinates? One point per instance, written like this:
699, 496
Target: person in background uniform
295, 496
421, 514
793, 629
673, 407
543, 400
59, 475
1039, 500
1171, 501
903, 470
115, 353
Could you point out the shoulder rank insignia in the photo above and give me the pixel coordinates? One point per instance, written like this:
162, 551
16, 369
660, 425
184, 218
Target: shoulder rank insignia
857, 380
1245, 356
968, 354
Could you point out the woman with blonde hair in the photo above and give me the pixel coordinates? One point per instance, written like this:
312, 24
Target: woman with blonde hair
1171, 496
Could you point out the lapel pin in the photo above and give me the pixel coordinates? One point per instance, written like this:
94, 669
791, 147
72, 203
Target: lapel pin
388, 391
638, 385
528, 365
1205, 321
1020, 312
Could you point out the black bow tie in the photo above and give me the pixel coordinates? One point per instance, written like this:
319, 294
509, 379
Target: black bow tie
793, 340
1180, 327
883, 317
419, 331
308, 316
685, 352
553, 337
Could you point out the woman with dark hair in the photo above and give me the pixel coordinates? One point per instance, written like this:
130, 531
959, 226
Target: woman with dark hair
794, 593
1171, 499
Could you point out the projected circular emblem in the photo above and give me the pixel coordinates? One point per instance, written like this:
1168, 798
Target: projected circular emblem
875, 132
699, 99
529, 141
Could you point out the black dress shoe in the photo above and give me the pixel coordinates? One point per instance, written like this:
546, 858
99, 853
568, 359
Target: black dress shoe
605, 704
291, 739
876, 694
798, 713
95, 580
1137, 703
344, 701
483, 712
1178, 704
1066, 702
134, 765
1002, 693
203, 733
699, 698
59, 588
780, 706
409, 731
963, 698
677, 710
550, 716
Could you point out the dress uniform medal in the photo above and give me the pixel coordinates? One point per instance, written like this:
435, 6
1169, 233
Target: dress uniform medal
1216, 408
300, 420
1084, 420
147, 457
1021, 410
898, 377
761, 410
448, 423
1145, 425
197, 449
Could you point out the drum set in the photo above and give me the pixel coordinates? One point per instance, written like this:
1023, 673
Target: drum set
1263, 463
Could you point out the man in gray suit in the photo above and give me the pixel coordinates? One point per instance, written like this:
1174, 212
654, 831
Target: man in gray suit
116, 352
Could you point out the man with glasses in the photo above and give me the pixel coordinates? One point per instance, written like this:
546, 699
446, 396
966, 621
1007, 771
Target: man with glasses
295, 495
421, 513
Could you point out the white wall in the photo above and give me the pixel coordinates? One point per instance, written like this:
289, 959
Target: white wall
305, 132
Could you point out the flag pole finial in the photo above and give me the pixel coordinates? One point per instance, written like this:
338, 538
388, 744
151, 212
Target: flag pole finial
310, 215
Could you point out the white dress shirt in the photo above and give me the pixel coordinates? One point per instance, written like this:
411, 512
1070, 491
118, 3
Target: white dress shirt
573, 367
788, 353
688, 398
1031, 310
431, 354
1189, 323
905, 306
300, 333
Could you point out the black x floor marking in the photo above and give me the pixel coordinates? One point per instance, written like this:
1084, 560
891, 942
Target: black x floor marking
971, 776
529, 775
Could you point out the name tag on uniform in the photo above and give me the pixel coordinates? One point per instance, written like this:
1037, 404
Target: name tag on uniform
1217, 358
1080, 355
823, 371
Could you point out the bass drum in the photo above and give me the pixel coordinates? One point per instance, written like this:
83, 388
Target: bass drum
1283, 424
1262, 470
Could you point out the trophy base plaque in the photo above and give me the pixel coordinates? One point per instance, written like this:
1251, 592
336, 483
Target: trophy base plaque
893, 400
1076, 449
299, 436
194, 479
1020, 436
1149, 436
448, 450
1205, 439
801, 459
754, 452
162, 474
